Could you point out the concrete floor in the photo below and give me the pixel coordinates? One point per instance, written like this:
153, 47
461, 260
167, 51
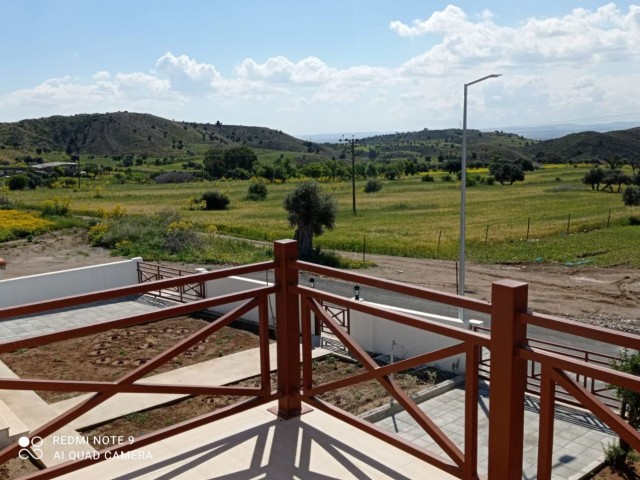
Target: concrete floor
579, 437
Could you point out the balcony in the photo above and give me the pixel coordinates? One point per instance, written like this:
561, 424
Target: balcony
288, 431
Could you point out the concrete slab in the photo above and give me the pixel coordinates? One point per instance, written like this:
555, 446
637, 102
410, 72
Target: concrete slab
256, 444
218, 371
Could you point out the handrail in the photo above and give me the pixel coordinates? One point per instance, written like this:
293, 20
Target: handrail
398, 287
71, 301
606, 335
397, 317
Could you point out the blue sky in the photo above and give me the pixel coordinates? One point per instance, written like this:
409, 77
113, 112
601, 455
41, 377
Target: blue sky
334, 66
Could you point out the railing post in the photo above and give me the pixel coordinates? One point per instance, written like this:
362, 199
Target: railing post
287, 329
508, 380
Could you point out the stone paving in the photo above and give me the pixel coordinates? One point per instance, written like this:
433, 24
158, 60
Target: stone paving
578, 443
78, 316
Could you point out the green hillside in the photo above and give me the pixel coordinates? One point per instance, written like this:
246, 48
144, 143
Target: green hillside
140, 133
588, 147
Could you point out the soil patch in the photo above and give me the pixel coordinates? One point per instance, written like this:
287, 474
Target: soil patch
631, 471
109, 355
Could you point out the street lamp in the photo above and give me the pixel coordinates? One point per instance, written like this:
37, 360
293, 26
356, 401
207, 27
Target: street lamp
463, 188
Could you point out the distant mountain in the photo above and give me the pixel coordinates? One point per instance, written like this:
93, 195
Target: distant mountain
547, 132
139, 133
587, 146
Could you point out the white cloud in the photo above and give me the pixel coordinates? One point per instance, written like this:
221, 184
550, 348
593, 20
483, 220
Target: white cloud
185, 73
101, 75
606, 34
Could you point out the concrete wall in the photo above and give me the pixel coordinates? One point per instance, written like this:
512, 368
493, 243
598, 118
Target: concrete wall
224, 286
48, 286
382, 336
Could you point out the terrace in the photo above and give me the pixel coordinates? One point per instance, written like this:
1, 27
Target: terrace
289, 431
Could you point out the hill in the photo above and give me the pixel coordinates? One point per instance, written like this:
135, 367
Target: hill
139, 133
587, 147
482, 146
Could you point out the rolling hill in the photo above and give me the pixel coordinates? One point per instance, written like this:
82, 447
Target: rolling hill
139, 133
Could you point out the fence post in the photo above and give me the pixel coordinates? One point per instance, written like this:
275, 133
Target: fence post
287, 329
508, 380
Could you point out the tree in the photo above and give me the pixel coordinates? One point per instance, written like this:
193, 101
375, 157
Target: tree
240, 157
505, 171
214, 163
594, 178
615, 177
310, 211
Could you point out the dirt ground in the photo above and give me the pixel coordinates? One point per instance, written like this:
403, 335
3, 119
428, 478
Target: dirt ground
601, 296
109, 355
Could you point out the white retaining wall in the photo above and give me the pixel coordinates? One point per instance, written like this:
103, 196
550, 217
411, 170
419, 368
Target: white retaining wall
374, 334
64, 283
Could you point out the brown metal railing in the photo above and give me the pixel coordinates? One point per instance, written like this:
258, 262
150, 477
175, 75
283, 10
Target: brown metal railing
184, 292
534, 370
510, 350
250, 299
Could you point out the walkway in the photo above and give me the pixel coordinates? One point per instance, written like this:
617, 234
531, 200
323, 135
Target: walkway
79, 316
577, 444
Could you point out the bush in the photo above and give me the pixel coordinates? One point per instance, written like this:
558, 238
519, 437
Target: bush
175, 177
215, 200
55, 206
372, 185
257, 191
18, 182
631, 196
447, 178
490, 180
5, 203
427, 178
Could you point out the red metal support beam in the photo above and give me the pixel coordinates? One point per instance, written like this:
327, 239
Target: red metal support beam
287, 328
508, 380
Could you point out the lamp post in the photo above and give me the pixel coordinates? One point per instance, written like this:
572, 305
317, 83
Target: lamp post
463, 187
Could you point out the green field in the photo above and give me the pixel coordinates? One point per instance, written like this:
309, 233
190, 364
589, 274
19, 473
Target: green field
407, 217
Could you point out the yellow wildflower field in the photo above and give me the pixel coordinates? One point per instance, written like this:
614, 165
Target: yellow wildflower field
17, 223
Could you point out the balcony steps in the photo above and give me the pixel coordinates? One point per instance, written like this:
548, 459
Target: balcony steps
11, 427
34, 412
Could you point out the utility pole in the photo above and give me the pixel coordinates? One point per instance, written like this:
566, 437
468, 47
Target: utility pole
352, 141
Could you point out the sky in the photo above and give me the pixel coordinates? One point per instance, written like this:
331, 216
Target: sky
330, 66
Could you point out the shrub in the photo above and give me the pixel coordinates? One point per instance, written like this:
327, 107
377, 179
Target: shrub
175, 177
427, 178
215, 200
5, 203
18, 182
447, 178
631, 195
490, 180
257, 191
372, 185
55, 206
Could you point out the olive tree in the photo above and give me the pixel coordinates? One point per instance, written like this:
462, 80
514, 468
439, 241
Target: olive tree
310, 211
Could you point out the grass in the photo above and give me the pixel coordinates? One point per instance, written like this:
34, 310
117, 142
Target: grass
409, 217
